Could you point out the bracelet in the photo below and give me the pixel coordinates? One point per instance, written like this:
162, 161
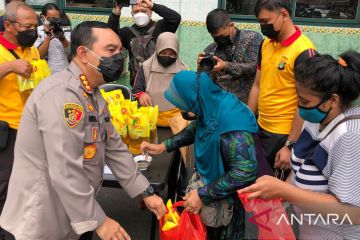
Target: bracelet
138, 95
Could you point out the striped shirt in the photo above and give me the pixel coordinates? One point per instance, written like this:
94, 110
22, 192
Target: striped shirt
330, 165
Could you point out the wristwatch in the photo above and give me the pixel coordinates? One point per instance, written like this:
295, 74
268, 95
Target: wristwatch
289, 144
148, 192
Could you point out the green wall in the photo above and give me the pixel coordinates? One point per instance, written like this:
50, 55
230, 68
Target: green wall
194, 36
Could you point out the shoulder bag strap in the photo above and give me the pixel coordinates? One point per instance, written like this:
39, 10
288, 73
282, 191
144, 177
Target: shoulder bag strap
14, 53
352, 117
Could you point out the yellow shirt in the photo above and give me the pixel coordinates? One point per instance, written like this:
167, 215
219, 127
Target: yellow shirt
164, 117
278, 101
11, 104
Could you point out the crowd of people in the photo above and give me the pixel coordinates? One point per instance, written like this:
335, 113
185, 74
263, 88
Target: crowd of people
253, 95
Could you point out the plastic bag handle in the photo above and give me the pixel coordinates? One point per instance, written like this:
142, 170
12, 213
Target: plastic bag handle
178, 204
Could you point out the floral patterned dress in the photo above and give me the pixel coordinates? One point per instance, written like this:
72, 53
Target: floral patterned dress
239, 158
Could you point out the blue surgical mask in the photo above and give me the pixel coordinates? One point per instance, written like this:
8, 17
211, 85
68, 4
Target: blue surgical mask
313, 114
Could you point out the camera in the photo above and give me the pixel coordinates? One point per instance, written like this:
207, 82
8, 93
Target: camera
208, 62
126, 3
56, 26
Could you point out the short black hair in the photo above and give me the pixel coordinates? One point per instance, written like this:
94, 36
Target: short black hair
326, 76
82, 35
49, 6
9, 1
272, 5
216, 19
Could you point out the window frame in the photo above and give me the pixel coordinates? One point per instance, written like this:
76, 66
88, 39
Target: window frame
79, 10
236, 17
355, 23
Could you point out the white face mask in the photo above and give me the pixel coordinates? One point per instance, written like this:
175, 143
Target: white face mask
141, 19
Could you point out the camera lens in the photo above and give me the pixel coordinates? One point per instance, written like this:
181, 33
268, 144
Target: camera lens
207, 63
56, 26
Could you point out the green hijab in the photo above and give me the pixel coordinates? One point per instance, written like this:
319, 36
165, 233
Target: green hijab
217, 112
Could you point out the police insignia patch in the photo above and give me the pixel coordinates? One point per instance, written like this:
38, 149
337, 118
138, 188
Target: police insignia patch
91, 107
73, 114
85, 82
89, 151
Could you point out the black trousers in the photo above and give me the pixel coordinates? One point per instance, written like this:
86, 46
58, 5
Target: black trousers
6, 164
85, 236
271, 143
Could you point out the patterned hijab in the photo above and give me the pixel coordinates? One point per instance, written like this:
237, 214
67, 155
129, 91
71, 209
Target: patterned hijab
217, 112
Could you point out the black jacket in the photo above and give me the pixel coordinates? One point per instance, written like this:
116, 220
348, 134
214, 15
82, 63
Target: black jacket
169, 23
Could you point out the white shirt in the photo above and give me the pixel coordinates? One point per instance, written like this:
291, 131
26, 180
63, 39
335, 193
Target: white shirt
57, 56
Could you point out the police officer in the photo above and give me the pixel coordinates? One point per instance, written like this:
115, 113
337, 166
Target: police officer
63, 140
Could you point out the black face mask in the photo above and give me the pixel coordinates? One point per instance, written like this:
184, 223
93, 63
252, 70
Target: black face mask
187, 117
269, 31
27, 38
223, 41
166, 61
110, 67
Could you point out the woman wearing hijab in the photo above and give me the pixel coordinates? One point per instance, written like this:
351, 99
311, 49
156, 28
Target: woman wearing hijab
155, 76
222, 133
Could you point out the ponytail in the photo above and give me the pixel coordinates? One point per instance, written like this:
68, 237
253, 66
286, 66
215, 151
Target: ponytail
325, 75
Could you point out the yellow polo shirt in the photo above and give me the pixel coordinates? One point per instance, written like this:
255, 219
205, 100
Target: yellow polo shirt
278, 101
11, 105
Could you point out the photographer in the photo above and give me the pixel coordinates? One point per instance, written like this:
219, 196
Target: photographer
140, 38
232, 57
54, 38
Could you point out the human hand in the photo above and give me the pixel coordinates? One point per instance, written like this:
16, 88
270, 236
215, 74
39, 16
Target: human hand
47, 28
117, 8
146, 4
283, 158
22, 67
200, 57
193, 202
220, 64
153, 149
266, 187
145, 100
155, 204
111, 230
60, 35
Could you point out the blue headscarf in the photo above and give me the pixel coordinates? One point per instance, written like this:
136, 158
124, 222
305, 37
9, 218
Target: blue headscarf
218, 112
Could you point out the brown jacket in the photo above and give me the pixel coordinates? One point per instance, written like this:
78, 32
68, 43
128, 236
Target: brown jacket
65, 135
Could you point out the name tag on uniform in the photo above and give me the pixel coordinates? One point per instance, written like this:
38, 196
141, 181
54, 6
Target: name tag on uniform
92, 119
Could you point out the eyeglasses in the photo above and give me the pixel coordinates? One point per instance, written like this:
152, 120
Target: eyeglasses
25, 26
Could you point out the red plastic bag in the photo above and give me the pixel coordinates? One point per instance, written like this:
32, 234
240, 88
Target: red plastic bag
268, 215
190, 227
